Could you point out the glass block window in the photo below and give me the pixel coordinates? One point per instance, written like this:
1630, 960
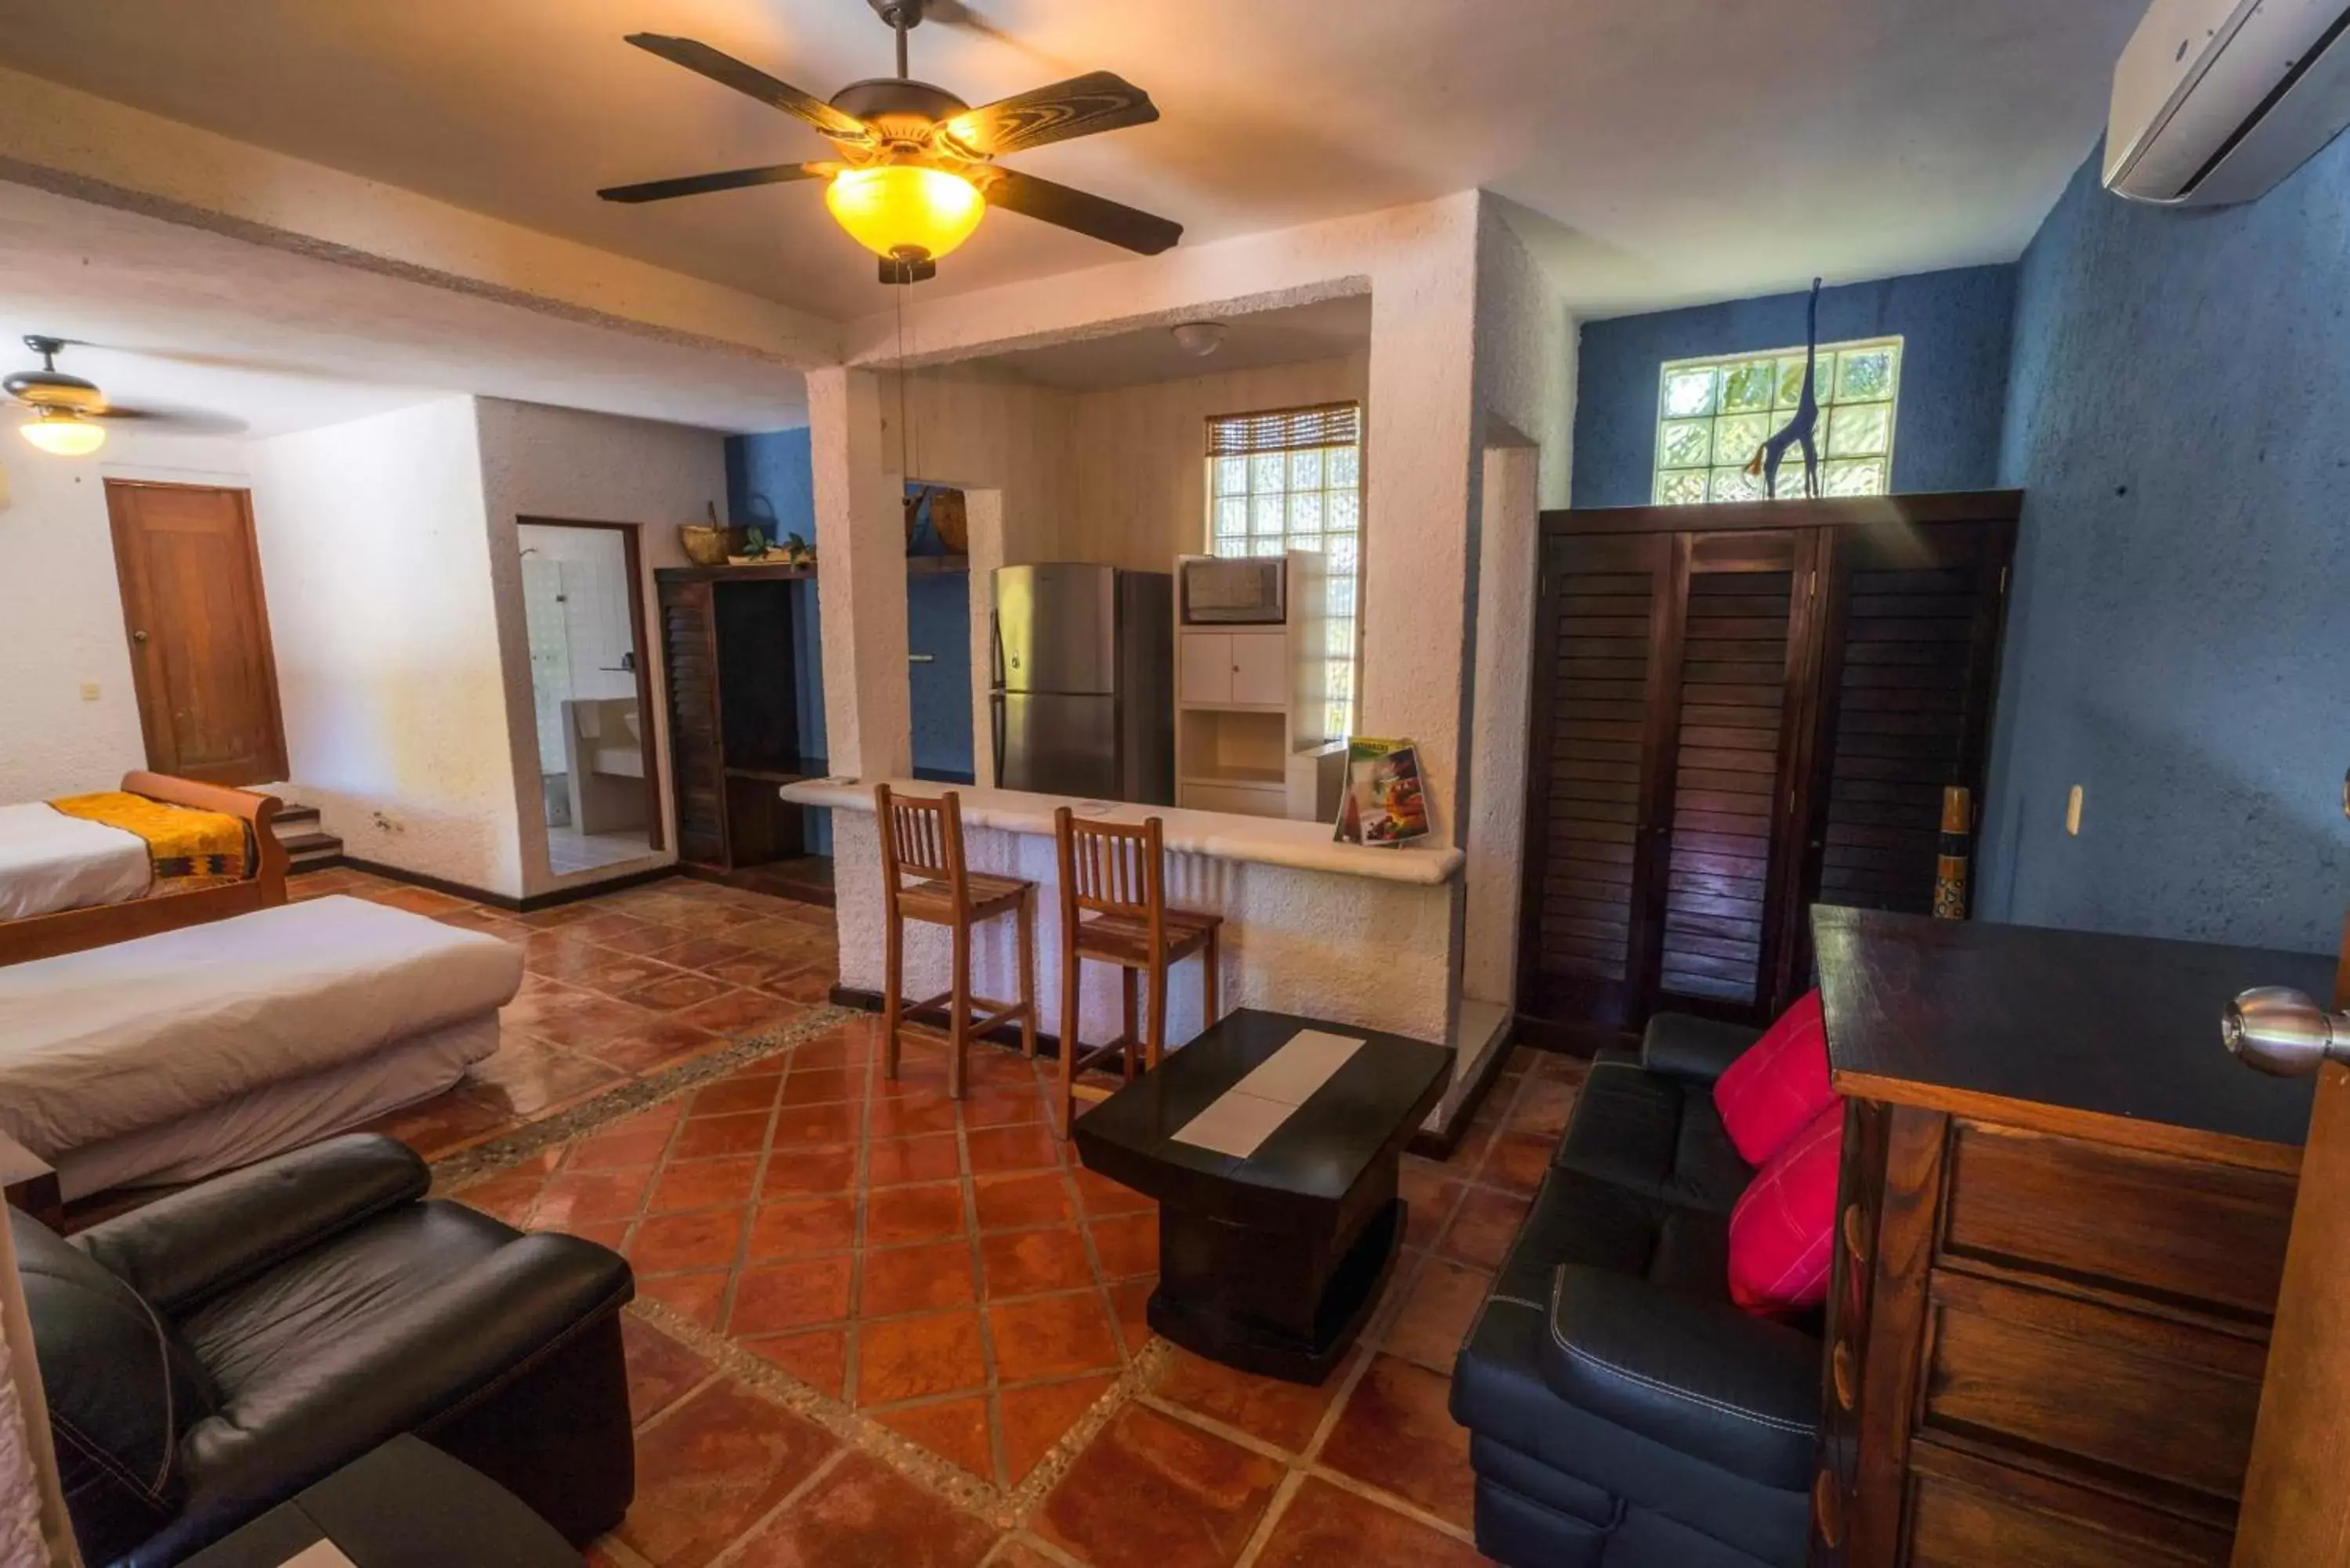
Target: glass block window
1292, 479
1712, 415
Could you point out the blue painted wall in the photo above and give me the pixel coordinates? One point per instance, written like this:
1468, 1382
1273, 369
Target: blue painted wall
1955, 326
938, 623
770, 484
2178, 641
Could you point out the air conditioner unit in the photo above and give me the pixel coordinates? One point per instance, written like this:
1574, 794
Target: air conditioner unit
2216, 100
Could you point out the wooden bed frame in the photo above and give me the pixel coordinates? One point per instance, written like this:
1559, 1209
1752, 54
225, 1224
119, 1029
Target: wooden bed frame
71, 930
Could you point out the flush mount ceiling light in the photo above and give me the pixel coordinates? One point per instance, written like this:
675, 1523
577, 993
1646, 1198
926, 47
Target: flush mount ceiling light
917, 169
1200, 339
63, 406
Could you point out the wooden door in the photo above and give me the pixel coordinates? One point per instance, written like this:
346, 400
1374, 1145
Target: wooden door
1604, 631
1909, 669
697, 764
2296, 1511
1738, 685
200, 657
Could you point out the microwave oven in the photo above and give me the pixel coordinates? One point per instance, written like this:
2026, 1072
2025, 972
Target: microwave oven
1251, 591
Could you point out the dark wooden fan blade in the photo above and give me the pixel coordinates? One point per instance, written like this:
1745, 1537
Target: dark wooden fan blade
1087, 215
751, 80
1082, 106
726, 179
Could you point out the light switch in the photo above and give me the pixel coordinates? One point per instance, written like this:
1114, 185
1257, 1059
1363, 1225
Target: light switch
89, 691
2073, 812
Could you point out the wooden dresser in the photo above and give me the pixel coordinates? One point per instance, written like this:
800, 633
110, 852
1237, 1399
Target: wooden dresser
2063, 1217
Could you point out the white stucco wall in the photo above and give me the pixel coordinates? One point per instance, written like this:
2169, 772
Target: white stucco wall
79, 144
375, 552
1524, 416
972, 426
1509, 526
1141, 480
61, 607
561, 464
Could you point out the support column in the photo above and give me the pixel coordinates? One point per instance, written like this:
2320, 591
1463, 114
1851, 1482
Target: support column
860, 576
1506, 570
1420, 496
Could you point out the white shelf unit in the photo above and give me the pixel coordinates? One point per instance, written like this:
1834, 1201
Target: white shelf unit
1250, 706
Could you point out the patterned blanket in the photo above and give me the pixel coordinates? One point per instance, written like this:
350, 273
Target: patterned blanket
189, 850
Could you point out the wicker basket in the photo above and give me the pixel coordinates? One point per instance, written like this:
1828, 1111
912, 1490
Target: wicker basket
950, 518
951, 521
706, 546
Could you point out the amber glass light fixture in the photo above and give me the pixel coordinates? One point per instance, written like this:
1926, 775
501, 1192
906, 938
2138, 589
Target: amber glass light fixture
905, 212
61, 432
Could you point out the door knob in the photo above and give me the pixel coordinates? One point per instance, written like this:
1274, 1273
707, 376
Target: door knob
139, 637
2283, 1032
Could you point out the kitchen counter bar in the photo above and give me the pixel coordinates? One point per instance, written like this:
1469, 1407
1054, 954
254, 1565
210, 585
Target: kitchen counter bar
1336, 931
1221, 835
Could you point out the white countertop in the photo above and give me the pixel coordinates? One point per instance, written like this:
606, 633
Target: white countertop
1262, 840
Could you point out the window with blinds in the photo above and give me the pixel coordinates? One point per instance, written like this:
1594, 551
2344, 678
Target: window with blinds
1291, 478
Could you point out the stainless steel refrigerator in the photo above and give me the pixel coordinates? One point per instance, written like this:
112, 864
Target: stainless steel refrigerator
1084, 681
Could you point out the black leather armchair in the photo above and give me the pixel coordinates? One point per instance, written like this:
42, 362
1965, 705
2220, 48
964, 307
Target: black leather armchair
209, 1356
1622, 1413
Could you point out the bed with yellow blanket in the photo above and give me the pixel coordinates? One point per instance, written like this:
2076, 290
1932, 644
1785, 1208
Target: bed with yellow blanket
161, 853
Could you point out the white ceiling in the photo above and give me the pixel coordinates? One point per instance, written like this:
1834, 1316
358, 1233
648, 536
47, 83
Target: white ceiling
240, 339
1327, 330
1665, 150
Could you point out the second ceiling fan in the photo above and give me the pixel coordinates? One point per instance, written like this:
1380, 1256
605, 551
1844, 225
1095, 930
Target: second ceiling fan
917, 169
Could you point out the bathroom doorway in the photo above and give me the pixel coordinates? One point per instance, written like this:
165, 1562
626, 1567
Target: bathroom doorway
591, 693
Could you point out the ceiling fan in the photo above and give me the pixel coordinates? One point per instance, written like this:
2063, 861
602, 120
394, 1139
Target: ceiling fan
66, 409
917, 169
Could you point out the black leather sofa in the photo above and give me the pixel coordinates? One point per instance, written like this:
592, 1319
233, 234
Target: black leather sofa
207, 1356
1622, 1412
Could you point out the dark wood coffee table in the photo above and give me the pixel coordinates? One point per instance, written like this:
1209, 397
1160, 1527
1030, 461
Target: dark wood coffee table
1270, 1260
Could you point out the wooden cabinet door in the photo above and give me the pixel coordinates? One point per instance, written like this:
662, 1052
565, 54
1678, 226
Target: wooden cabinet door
1261, 670
697, 761
200, 654
1737, 695
1909, 635
1205, 668
1603, 630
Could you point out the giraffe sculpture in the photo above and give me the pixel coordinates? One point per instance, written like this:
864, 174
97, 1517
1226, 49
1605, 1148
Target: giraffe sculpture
1804, 428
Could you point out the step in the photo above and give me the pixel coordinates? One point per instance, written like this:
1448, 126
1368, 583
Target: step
306, 848
292, 821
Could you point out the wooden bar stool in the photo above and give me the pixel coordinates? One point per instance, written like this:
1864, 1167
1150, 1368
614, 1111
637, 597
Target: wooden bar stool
1114, 911
922, 840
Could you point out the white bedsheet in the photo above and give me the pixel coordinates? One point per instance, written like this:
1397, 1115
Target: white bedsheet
280, 1116
50, 861
97, 1045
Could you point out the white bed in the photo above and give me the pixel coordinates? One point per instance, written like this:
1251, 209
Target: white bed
49, 862
176, 1056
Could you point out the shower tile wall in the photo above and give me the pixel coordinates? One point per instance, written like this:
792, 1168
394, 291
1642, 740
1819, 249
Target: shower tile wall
575, 603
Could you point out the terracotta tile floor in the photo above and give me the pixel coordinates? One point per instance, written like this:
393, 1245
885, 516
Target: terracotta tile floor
890, 1328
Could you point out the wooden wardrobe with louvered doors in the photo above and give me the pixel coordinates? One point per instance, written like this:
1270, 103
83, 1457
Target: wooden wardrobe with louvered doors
1738, 710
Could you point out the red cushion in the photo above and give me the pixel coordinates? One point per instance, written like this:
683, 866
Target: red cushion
1778, 1084
1782, 1233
